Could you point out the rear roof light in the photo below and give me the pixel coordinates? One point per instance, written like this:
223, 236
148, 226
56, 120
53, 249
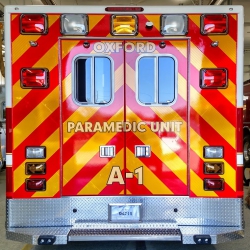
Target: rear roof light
213, 78
35, 184
173, 25
34, 78
74, 24
124, 25
34, 24
214, 184
214, 24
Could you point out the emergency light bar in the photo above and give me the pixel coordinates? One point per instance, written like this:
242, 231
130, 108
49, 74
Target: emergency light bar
34, 24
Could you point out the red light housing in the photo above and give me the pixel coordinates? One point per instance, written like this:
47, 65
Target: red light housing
34, 78
213, 78
34, 24
214, 24
124, 9
214, 184
35, 184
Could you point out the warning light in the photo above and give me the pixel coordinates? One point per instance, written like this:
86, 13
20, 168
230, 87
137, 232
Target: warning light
124, 25
214, 184
214, 24
35, 184
35, 168
173, 25
214, 168
34, 24
213, 78
34, 78
213, 152
35, 152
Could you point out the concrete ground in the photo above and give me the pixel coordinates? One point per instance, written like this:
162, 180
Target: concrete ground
242, 244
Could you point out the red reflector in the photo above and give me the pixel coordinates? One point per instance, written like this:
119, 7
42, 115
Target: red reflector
214, 24
35, 184
33, 24
213, 78
214, 184
124, 9
34, 78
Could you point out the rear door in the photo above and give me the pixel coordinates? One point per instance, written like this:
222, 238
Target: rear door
124, 116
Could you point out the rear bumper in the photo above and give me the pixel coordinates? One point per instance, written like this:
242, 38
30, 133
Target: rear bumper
163, 218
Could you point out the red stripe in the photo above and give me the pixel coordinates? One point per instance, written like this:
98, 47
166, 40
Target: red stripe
102, 28
233, 28
34, 54
215, 54
158, 167
239, 132
34, 98
9, 131
15, 27
91, 169
239, 182
135, 189
9, 182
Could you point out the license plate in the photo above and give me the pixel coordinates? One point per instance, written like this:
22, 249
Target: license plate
128, 212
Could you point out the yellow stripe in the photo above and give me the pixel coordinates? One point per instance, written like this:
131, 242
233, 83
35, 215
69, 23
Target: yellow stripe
21, 43
88, 150
67, 46
99, 182
150, 181
213, 117
234, 17
52, 187
159, 148
197, 144
128, 192
38, 115
196, 185
49, 60
27, 247
52, 145
226, 42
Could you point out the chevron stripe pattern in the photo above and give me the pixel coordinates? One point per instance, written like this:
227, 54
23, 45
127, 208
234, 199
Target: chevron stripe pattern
73, 162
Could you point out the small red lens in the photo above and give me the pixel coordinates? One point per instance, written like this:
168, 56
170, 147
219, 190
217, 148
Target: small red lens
213, 78
34, 78
35, 184
214, 24
33, 24
214, 184
124, 9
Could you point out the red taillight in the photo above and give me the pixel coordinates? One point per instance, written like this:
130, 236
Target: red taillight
213, 78
124, 9
214, 184
214, 24
34, 78
35, 184
33, 24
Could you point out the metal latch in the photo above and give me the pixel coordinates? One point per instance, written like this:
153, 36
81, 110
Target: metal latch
107, 151
142, 151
